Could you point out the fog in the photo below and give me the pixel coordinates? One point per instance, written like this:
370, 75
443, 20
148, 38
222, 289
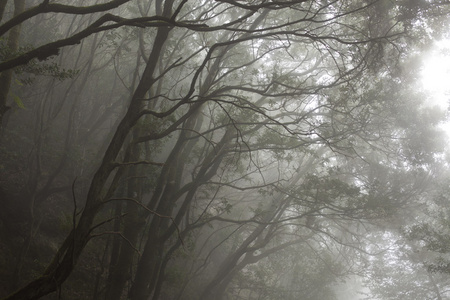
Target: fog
224, 150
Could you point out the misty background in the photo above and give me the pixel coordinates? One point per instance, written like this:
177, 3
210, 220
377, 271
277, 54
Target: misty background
224, 150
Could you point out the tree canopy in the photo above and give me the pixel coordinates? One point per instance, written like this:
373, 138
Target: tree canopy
174, 149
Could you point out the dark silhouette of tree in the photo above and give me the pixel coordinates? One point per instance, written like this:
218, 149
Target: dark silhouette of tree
287, 102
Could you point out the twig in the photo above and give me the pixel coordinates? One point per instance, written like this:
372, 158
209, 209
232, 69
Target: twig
152, 212
122, 236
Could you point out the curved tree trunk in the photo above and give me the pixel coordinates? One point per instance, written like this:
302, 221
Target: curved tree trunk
70, 251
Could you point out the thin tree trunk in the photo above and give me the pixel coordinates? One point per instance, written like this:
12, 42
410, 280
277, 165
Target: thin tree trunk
2, 8
133, 224
116, 241
435, 286
13, 46
121, 271
70, 251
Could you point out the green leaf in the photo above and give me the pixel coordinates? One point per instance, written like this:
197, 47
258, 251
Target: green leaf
18, 101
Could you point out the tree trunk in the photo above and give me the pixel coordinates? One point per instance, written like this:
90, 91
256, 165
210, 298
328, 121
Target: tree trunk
69, 253
13, 46
2, 8
120, 272
133, 224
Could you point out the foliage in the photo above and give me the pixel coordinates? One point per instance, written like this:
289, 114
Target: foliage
214, 150
35, 67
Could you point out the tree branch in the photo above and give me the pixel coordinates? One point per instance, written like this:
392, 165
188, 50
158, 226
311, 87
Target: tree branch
46, 7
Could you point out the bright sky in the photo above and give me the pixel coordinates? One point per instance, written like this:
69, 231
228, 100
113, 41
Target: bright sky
436, 76
436, 72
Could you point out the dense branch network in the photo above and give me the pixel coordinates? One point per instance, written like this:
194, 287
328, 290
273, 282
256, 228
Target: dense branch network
248, 127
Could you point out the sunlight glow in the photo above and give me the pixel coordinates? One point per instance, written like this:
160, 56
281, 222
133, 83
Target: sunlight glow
435, 73
435, 78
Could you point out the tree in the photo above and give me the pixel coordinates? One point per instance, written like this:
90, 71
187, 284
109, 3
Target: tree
400, 273
231, 91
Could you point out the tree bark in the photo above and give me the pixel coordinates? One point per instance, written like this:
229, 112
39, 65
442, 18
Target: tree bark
133, 224
2, 8
13, 46
70, 251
